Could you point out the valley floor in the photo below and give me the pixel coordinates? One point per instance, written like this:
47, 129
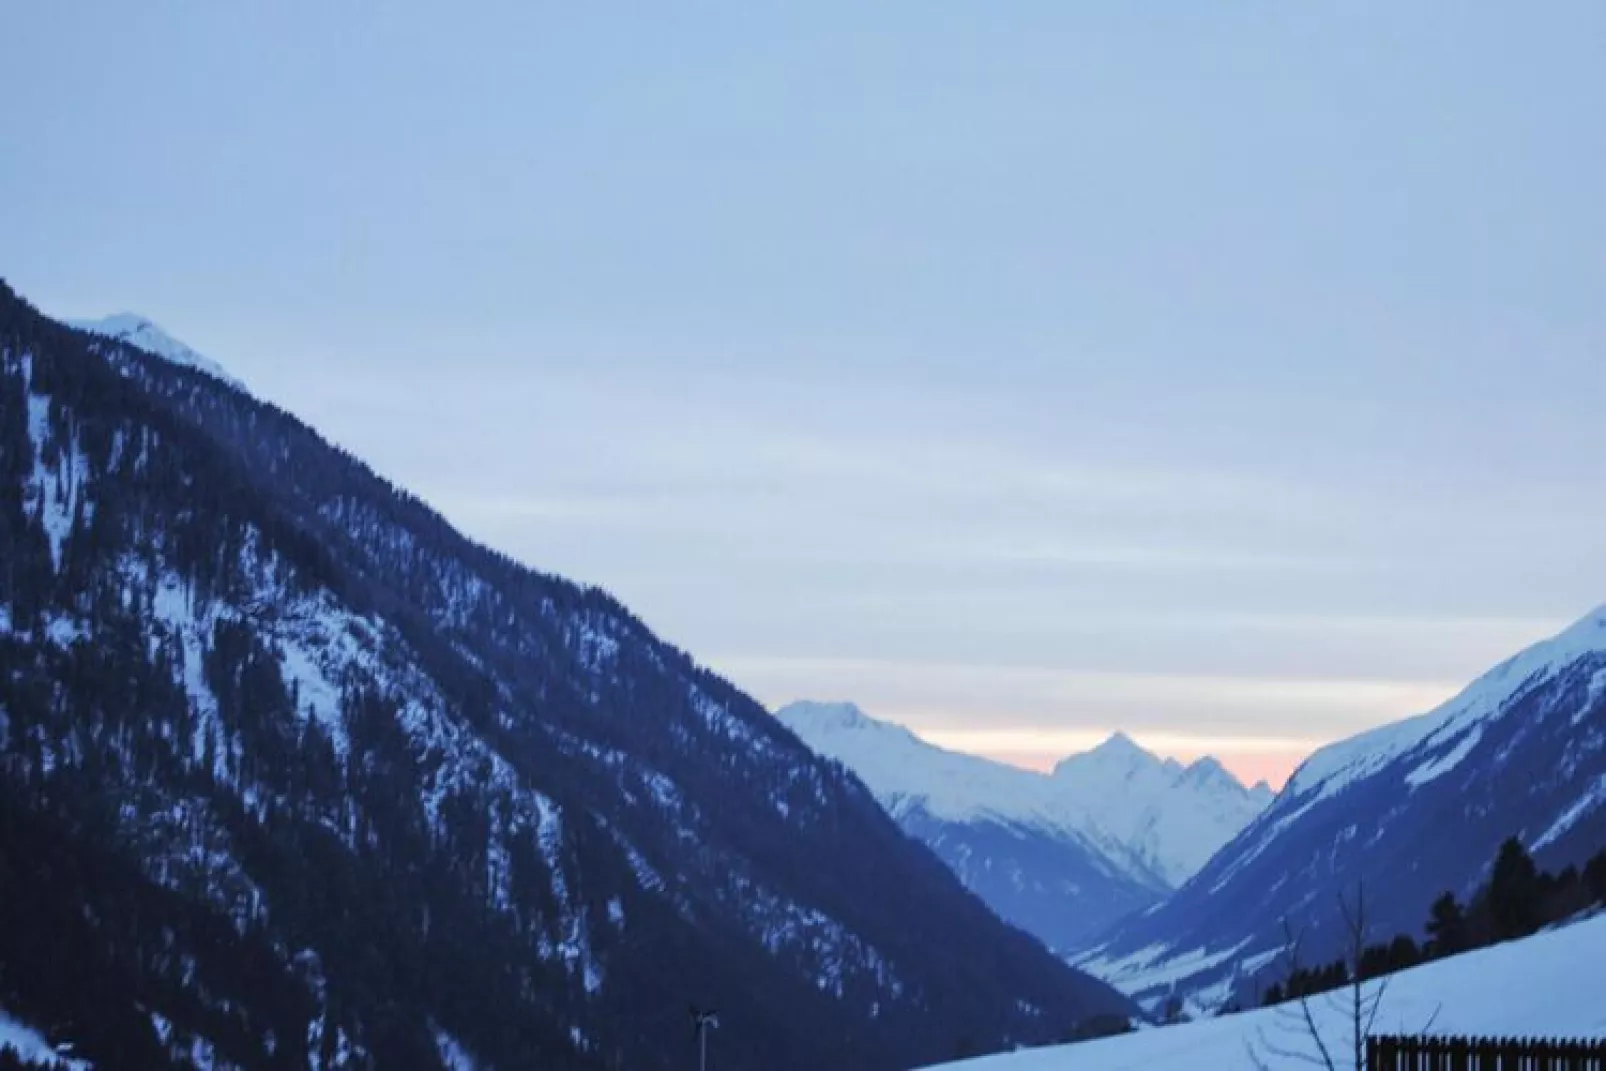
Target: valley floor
1546, 986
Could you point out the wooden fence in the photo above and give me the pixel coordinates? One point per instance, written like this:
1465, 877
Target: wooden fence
1484, 1054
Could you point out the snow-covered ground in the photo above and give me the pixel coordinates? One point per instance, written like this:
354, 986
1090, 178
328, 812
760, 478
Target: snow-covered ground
1546, 986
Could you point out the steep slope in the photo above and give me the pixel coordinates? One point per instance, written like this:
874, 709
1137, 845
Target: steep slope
1061, 856
291, 774
1544, 986
1408, 810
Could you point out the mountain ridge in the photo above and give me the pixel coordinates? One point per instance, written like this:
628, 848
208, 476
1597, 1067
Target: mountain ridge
144, 334
422, 799
1418, 806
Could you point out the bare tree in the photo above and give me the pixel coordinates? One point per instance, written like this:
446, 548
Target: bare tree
1358, 1001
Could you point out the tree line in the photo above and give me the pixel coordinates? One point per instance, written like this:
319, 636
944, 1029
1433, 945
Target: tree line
1517, 900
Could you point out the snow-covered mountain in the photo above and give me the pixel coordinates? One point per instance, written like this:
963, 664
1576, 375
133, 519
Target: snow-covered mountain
292, 774
1547, 985
1409, 810
1062, 855
142, 334
1171, 817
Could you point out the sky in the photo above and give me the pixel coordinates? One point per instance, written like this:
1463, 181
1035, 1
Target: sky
1231, 375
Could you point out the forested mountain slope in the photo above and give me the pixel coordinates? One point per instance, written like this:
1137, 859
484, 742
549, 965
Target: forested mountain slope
291, 774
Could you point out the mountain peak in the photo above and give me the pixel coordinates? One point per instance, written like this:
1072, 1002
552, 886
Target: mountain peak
1119, 744
1151, 824
1119, 751
143, 334
1208, 771
823, 716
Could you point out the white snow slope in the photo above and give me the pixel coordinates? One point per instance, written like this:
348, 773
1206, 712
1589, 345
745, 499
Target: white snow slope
1338, 765
1153, 818
142, 334
1546, 986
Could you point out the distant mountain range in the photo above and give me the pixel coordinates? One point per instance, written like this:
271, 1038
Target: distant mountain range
294, 775
1408, 811
1064, 855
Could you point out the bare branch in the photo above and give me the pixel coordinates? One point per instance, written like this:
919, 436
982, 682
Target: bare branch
1282, 1053
1316, 1034
1254, 1057
1377, 1003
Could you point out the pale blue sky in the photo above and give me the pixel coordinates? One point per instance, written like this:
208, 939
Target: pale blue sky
1230, 374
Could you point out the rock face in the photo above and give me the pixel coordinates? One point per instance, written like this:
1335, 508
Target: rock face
292, 774
1408, 811
1061, 856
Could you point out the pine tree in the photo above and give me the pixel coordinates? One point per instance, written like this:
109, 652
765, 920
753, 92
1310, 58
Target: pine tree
1514, 892
1447, 926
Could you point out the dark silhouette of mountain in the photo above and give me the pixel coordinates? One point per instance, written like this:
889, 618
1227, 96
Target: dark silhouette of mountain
292, 774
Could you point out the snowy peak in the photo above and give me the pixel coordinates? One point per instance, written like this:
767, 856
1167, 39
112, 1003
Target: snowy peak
1152, 818
1002, 830
143, 334
827, 717
1122, 756
1209, 773
1122, 748
1172, 818
906, 773
1119, 754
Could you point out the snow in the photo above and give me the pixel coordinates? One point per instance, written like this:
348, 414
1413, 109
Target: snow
1156, 968
454, 1057
54, 487
29, 1043
1442, 765
1335, 767
144, 335
1545, 986
1154, 820
1585, 804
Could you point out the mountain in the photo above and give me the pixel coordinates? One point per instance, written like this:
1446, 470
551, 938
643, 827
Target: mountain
142, 334
1406, 811
1061, 856
1545, 986
294, 775
1172, 817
